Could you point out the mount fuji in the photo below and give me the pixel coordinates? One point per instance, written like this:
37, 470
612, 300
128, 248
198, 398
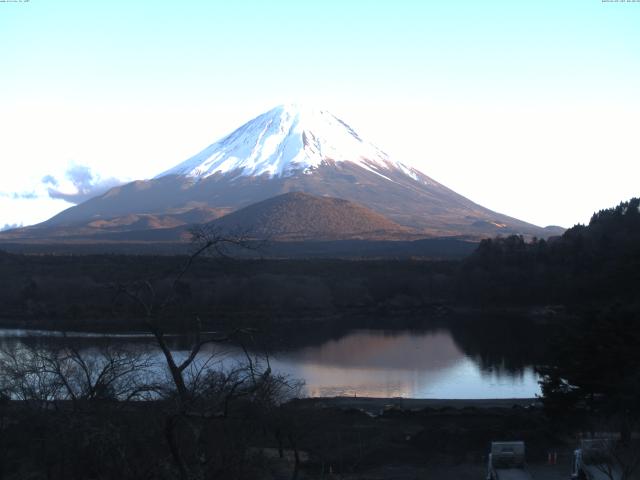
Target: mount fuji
287, 149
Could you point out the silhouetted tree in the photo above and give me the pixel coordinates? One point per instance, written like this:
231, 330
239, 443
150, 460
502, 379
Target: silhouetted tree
596, 368
203, 394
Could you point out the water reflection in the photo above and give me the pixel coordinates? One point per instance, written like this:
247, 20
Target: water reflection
408, 364
374, 363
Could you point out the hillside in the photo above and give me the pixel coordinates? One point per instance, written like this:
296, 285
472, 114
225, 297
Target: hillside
300, 216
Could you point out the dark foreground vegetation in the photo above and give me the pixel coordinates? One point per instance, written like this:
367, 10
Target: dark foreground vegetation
63, 415
130, 441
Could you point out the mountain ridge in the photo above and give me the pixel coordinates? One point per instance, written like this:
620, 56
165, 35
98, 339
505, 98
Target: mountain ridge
286, 150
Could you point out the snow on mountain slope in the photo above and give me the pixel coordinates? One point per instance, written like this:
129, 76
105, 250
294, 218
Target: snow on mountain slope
287, 139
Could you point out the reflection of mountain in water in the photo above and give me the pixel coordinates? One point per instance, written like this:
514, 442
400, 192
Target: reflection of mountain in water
384, 349
377, 364
408, 364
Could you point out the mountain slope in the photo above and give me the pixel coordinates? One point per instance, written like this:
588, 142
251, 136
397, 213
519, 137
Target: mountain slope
300, 216
292, 149
133, 226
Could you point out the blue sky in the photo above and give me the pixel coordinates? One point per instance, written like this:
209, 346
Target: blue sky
529, 108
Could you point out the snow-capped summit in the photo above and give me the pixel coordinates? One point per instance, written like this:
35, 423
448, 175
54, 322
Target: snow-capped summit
284, 140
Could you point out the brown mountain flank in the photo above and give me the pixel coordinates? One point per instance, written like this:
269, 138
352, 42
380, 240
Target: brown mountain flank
300, 216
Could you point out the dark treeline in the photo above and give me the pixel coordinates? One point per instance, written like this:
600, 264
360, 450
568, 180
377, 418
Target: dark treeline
77, 292
448, 248
598, 263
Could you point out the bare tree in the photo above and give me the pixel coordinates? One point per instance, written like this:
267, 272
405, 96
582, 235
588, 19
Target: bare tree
46, 375
619, 460
202, 392
608, 456
143, 294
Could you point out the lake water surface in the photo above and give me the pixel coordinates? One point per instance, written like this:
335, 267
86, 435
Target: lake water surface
371, 363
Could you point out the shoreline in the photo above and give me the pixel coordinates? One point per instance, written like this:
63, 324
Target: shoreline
377, 404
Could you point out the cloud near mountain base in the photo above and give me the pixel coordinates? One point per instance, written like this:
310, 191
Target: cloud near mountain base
80, 184
10, 226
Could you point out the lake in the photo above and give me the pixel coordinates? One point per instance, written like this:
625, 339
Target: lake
366, 363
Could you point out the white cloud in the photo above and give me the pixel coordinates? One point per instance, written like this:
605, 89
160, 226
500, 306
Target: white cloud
38, 196
10, 226
81, 184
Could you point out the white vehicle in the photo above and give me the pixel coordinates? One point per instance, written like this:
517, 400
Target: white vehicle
593, 461
507, 462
